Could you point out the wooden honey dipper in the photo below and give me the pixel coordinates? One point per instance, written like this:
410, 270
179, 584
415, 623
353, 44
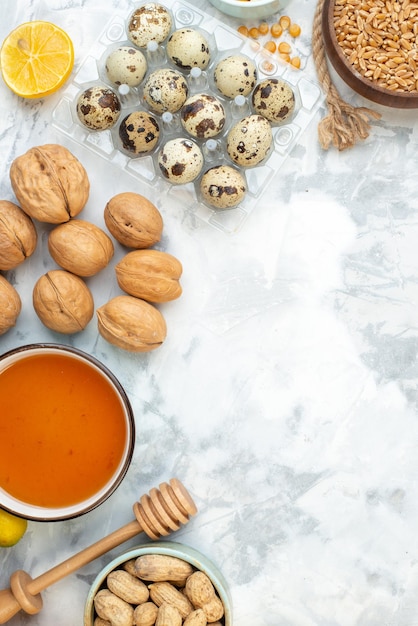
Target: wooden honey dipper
157, 514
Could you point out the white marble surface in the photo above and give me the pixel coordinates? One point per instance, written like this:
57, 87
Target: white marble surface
285, 395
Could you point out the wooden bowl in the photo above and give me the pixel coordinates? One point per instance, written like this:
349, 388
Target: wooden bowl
364, 86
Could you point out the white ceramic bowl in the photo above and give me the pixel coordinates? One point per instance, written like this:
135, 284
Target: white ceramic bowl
250, 9
170, 548
51, 426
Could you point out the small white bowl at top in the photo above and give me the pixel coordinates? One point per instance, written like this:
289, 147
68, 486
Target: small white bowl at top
249, 9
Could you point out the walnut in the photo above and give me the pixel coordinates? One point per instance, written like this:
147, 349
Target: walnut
10, 305
63, 302
131, 324
50, 183
151, 275
18, 236
80, 247
133, 220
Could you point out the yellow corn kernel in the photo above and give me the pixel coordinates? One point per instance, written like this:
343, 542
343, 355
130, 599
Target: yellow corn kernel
270, 46
276, 30
284, 22
284, 47
294, 30
243, 30
254, 33
295, 62
263, 28
285, 57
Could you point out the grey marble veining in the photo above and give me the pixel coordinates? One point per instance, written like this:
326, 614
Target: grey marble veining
285, 396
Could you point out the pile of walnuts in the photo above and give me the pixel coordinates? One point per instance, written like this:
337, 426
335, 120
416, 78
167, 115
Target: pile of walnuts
52, 186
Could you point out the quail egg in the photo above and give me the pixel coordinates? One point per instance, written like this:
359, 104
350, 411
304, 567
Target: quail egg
223, 187
235, 75
139, 132
150, 22
274, 99
203, 116
180, 160
188, 48
249, 140
126, 66
98, 108
165, 90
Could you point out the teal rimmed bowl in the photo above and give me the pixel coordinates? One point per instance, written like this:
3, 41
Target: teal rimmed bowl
169, 548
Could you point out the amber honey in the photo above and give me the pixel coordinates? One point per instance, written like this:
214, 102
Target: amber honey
62, 430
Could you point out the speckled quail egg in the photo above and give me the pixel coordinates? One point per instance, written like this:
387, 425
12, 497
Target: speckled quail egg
188, 48
139, 132
203, 116
235, 75
98, 108
274, 99
150, 22
165, 90
249, 140
223, 187
180, 160
126, 66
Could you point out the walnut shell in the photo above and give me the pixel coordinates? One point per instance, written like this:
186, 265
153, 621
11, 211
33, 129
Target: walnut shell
80, 247
18, 236
151, 275
63, 302
133, 220
10, 305
131, 324
50, 183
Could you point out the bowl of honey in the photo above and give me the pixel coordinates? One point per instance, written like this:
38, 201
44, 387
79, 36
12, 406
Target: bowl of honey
67, 432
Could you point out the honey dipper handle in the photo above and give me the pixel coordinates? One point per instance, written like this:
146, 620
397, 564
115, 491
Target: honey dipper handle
80, 559
24, 592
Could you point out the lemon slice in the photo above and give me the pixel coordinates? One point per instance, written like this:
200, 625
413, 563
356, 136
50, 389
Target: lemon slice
12, 529
36, 59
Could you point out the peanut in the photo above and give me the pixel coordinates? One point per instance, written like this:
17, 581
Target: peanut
196, 618
165, 592
129, 566
199, 589
214, 610
127, 587
114, 609
168, 615
163, 568
201, 593
101, 622
145, 614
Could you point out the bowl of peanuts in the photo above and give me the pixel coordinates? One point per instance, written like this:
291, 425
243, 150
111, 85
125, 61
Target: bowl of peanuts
162, 582
249, 9
373, 46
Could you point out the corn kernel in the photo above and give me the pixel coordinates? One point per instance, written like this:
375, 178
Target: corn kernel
294, 30
254, 33
276, 30
270, 46
263, 28
284, 47
295, 62
284, 22
243, 30
285, 57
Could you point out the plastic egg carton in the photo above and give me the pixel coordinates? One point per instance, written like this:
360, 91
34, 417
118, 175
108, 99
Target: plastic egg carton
223, 41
